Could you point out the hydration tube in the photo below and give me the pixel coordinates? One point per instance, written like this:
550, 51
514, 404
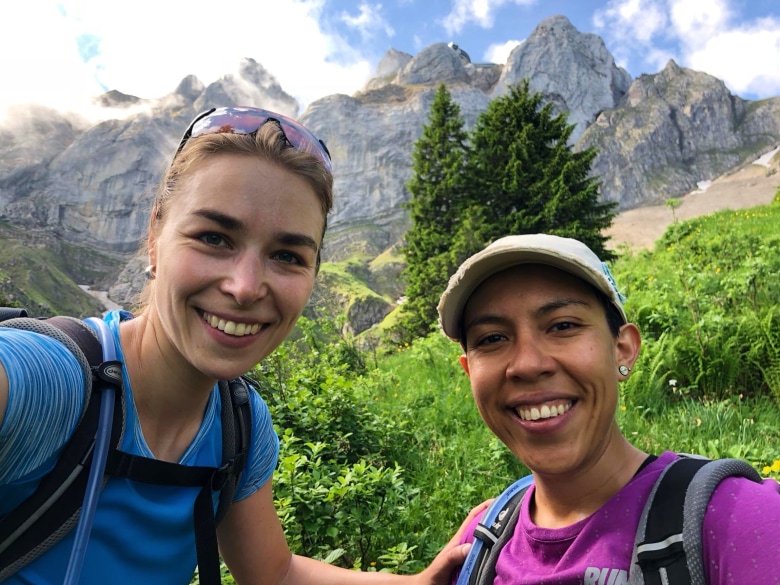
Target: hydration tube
488, 519
102, 440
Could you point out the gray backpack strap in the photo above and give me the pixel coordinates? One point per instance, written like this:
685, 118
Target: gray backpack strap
54, 508
668, 545
236, 435
499, 533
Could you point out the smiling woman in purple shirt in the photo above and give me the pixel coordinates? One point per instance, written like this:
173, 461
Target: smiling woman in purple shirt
546, 343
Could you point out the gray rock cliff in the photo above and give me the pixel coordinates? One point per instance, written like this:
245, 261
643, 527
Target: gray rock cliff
673, 130
657, 136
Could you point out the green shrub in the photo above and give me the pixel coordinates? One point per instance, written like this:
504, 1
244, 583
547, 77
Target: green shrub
335, 488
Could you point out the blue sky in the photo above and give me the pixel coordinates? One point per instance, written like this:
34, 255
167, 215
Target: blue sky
62, 53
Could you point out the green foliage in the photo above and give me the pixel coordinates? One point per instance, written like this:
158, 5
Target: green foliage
335, 487
706, 301
519, 175
434, 211
734, 427
525, 177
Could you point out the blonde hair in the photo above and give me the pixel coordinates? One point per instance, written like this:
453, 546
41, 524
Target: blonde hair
268, 144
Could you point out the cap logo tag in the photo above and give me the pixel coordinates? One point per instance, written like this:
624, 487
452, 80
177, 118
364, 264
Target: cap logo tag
611, 279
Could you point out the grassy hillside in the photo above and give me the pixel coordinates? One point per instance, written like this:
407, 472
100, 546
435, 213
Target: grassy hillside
384, 454
32, 278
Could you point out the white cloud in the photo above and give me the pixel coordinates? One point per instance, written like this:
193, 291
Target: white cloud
147, 47
632, 21
746, 58
481, 12
30, 69
368, 21
704, 36
693, 22
499, 53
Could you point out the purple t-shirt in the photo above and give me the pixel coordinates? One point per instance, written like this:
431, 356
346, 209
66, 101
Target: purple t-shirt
741, 538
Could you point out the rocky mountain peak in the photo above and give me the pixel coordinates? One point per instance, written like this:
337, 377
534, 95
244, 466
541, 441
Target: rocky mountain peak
116, 99
559, 61
392, 63
250, 84
438, 63
705, 131
189, 88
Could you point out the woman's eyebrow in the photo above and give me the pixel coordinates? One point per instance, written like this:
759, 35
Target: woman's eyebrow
228, 222
546, 308
560, 304
486, 319
294, 239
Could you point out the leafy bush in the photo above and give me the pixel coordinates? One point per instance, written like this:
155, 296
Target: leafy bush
335, 488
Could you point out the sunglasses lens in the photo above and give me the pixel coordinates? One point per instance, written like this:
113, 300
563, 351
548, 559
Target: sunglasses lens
249, 120
229, 121
304, 140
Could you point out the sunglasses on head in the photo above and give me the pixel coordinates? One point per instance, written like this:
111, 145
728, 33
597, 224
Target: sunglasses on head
246, 120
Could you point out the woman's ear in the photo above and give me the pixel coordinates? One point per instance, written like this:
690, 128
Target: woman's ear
627, 346
464, 363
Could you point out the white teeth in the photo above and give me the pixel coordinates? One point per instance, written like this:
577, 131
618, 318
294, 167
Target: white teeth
545, 411
231, 327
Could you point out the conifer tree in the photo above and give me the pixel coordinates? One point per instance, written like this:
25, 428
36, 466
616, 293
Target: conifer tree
436, 187
517, 175
527, 179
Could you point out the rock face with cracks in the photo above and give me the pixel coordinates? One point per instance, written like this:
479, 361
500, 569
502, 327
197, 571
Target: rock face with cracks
658, 136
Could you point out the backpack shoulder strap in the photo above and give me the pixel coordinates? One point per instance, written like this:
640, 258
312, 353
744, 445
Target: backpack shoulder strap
12, 313
236, 435
53, 509
492, 534
668, 544
236, 430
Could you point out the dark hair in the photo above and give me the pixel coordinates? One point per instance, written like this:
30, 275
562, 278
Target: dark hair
614, 319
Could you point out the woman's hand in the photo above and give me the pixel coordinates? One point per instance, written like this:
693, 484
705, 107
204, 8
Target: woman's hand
452, 556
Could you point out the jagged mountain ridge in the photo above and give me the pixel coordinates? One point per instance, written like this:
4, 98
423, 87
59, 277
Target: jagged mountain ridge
658, 136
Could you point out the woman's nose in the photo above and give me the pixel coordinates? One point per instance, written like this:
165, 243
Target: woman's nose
247, 281
528, 359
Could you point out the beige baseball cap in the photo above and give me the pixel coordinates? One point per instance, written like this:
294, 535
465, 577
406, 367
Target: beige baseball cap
563, 253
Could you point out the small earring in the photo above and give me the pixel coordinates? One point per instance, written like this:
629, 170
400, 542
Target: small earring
624, 370
149, 272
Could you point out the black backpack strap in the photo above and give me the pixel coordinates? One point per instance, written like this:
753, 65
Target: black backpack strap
236, 435
209, 479
494, 537
236, 429
668, 545
12, 313
53, 509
